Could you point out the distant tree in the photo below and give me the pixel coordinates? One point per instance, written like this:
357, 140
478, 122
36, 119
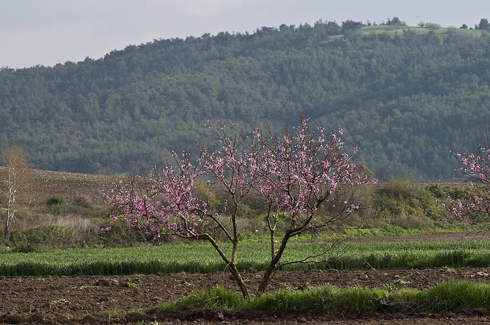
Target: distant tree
350, 25
483, 25
364, 172
464, 26
283, 27
15, 180
395, 22
383, 173
432, 26
421, 24
451, 29
332, 28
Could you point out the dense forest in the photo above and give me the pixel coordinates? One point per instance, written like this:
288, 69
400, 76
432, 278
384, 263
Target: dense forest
408, 95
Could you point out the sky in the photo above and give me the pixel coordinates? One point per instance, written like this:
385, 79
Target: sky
47, 32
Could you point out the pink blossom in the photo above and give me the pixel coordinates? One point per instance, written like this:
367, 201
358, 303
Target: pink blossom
476, 165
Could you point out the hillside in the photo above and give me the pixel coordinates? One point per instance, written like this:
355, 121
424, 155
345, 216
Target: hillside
74, 187
408, 95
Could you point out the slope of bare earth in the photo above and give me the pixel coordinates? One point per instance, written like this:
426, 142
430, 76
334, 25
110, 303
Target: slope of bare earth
71, 185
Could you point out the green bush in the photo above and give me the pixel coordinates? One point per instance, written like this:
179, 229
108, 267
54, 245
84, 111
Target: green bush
440, 194
413, 206
83, 201
453, 191
56, 199
24, 248
43, 236
119, 235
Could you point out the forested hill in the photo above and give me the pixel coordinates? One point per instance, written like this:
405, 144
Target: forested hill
409, 95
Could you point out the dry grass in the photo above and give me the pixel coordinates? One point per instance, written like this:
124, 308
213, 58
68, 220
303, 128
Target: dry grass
81, 226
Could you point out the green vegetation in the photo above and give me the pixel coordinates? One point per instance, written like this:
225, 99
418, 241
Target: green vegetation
198, 258
56, 199
409, 94
391, 208
441, 33
446, 296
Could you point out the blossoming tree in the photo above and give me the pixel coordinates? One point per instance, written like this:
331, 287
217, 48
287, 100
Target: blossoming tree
302, 174
476, 166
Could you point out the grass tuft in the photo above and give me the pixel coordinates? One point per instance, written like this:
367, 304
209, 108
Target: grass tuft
446, 296
208, 298
450, 295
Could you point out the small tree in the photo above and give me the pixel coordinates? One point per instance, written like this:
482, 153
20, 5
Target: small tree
301, 174
16, 181
432, 26
483, 25
395, 22
476, 167
350, 26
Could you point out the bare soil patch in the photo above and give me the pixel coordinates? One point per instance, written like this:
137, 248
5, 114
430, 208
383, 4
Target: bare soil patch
71, 185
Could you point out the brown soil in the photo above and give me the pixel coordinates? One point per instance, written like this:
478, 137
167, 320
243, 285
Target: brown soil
77, 299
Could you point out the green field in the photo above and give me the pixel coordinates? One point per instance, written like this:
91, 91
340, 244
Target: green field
393, 30
201, 258
422, 30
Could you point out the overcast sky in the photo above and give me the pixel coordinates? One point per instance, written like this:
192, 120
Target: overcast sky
47, 32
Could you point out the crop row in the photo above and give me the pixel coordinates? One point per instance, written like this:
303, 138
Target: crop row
201, 258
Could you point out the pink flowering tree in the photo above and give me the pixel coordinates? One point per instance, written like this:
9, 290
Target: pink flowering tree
302, 174
476, 202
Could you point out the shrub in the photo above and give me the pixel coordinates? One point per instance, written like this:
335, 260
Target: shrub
83, 201
56, 199
43, 236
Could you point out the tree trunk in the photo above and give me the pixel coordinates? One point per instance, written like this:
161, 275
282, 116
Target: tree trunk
10, 212
268, 275
232, 265
240, 282
8, 221
272, 269
5, 234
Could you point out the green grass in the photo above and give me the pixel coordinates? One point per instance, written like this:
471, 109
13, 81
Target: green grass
379, 29
392, 231
201, 258
446, 296
392, 30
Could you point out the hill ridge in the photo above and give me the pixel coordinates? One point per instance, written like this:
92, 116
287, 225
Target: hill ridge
409, 95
